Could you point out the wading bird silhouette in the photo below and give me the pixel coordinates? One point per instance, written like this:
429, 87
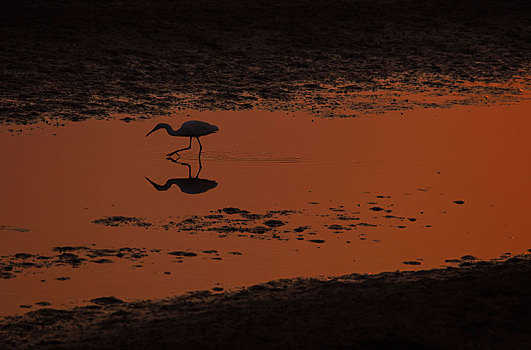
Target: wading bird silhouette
192, 128
190, 185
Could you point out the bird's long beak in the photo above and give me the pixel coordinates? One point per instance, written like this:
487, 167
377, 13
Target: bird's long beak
151, 182
156, 186
150, 132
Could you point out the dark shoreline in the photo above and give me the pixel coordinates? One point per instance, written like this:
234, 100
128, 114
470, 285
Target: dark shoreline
479, 305
91, 59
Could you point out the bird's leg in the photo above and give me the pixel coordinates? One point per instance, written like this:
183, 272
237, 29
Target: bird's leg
200, 167
200, 146
174, 160
189, 169
179, 150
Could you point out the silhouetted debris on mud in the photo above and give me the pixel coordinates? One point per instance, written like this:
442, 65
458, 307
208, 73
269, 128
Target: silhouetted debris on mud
481, 306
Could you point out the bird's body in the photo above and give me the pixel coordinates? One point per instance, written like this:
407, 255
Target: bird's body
191, 128
189, 186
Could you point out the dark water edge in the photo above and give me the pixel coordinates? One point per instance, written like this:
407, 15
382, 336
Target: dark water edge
478, 305
83, 59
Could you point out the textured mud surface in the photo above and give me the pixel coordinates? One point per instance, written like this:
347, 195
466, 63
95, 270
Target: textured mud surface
83, 59
358, 221
23, 263
481, 305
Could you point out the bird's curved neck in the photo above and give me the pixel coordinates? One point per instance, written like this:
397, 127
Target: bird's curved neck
171, 131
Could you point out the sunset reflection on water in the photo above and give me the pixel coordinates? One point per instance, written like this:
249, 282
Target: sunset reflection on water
370, 194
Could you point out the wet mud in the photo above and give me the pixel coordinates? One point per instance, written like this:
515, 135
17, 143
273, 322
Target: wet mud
480, 305
355, 222
79, 59
14, 265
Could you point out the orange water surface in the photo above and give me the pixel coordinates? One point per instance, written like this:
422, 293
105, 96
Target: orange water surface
57, 179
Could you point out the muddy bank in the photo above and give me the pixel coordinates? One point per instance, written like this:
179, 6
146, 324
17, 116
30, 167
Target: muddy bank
481, 305
84, 59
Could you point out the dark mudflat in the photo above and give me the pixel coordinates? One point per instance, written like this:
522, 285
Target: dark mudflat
84, 59
483, 305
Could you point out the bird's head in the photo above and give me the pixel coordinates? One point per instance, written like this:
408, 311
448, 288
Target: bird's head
159, 126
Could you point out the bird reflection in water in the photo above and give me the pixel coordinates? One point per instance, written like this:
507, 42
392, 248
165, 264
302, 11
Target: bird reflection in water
190, 185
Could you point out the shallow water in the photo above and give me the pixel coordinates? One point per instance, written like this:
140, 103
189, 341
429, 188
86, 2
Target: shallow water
56, 180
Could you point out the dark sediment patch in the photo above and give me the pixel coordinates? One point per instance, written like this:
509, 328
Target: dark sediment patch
469, 257
43, 303
273, 224
181, 253
231, 210
75, 256
103, 261
337, 227
16, 229
366, 224
107, 301
122, 221
23, 256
